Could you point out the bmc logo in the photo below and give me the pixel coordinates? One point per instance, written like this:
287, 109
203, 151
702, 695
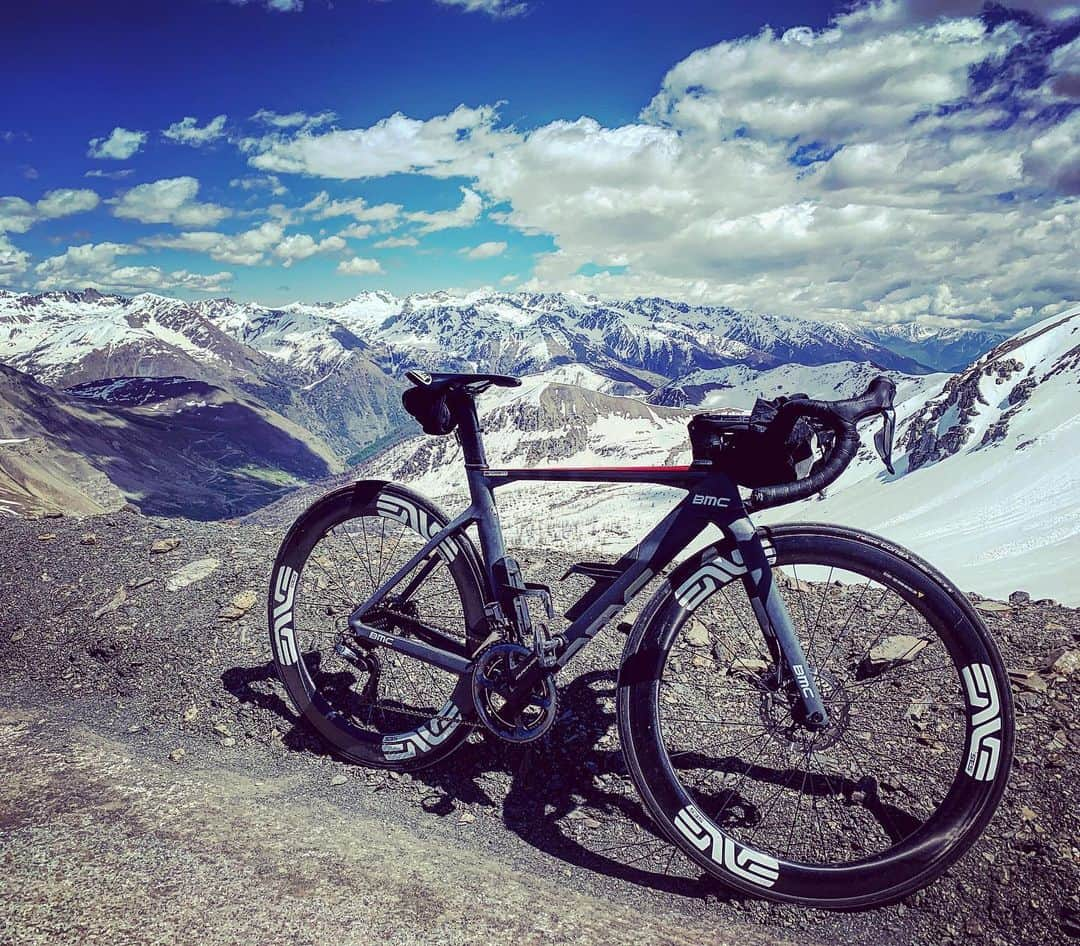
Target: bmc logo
703, 499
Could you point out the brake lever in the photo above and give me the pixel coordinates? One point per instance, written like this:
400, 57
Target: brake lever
883, 439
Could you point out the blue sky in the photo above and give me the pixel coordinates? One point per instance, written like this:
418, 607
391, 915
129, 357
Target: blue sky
843, 162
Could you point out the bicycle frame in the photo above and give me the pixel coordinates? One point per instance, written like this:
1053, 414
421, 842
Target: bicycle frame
712, 499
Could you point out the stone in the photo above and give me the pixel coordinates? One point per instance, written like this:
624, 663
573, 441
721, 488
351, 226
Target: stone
113, 604
339, 780
47, 537
992, 607
222, 730
18, 636
191, 713
161, 546
177, 754
894, 650
697, 636
748, 666
228, 742
239, 606
1064, 662
467, 817
140, 582
1030, 680
191, 573
88, 538
1019, 597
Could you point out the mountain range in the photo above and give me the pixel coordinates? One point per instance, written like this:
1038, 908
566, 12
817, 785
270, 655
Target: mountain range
304, 390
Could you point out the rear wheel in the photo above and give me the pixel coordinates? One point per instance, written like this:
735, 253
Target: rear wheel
908, 772
372, 704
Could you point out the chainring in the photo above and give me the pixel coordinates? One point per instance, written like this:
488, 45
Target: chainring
492, 685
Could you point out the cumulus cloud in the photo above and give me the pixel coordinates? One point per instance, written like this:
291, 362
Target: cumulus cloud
464, 215
300, 246
187, 131
293, 120
484, 250
170, 200
357, 231
275, 6
117, 175
443, 146
17, 215
323, 208
391, 243
495, 8
248, 248
119, 145
13, 261
95, 266
256, 182
358, 266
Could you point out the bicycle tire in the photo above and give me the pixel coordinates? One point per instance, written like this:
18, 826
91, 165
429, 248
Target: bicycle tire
321, 691
721, 850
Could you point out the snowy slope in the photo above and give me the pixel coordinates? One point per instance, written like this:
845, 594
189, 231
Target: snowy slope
548, 423
740, 385
987, 485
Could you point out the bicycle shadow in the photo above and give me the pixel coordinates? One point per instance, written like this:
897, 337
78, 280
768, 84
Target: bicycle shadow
555, 799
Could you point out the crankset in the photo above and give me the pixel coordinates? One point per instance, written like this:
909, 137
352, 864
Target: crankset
494, 675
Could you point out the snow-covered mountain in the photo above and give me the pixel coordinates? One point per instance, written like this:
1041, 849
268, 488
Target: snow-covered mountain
942, 348
987, 484
311, 370
169, 446
739, 385
647, 339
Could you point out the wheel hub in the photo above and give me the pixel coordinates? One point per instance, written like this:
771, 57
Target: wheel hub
781, 709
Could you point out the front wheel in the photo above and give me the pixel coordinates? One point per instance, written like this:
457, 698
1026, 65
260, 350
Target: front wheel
900, 784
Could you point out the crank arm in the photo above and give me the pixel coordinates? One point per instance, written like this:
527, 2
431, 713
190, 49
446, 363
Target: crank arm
437, 657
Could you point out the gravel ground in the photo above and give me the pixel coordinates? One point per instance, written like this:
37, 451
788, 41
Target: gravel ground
146, 671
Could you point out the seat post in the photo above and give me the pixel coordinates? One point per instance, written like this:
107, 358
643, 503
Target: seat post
469, 431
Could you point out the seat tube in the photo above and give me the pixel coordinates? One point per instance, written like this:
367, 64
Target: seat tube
775, 621
483, 500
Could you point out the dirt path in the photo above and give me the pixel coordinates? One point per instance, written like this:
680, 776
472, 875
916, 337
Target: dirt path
103, 845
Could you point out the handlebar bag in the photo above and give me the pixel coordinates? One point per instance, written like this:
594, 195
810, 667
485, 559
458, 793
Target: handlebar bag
430, 406
750, 449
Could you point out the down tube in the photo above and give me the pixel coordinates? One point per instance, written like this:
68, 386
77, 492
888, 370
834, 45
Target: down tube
716, 501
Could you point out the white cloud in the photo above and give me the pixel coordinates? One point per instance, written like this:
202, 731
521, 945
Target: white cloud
895, 163
357, 231
244, 249
443, 146
95, 266
323, 208
187, 131
18, 215
13, 261
170, 200
293, 119
276, 6
116, 175
255, 182
509, 278
300, 246
119, 145
464, 215
358, 266
393, 242
496, 8
484, 250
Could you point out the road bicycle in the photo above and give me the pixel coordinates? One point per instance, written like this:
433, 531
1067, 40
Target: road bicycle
809, 713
